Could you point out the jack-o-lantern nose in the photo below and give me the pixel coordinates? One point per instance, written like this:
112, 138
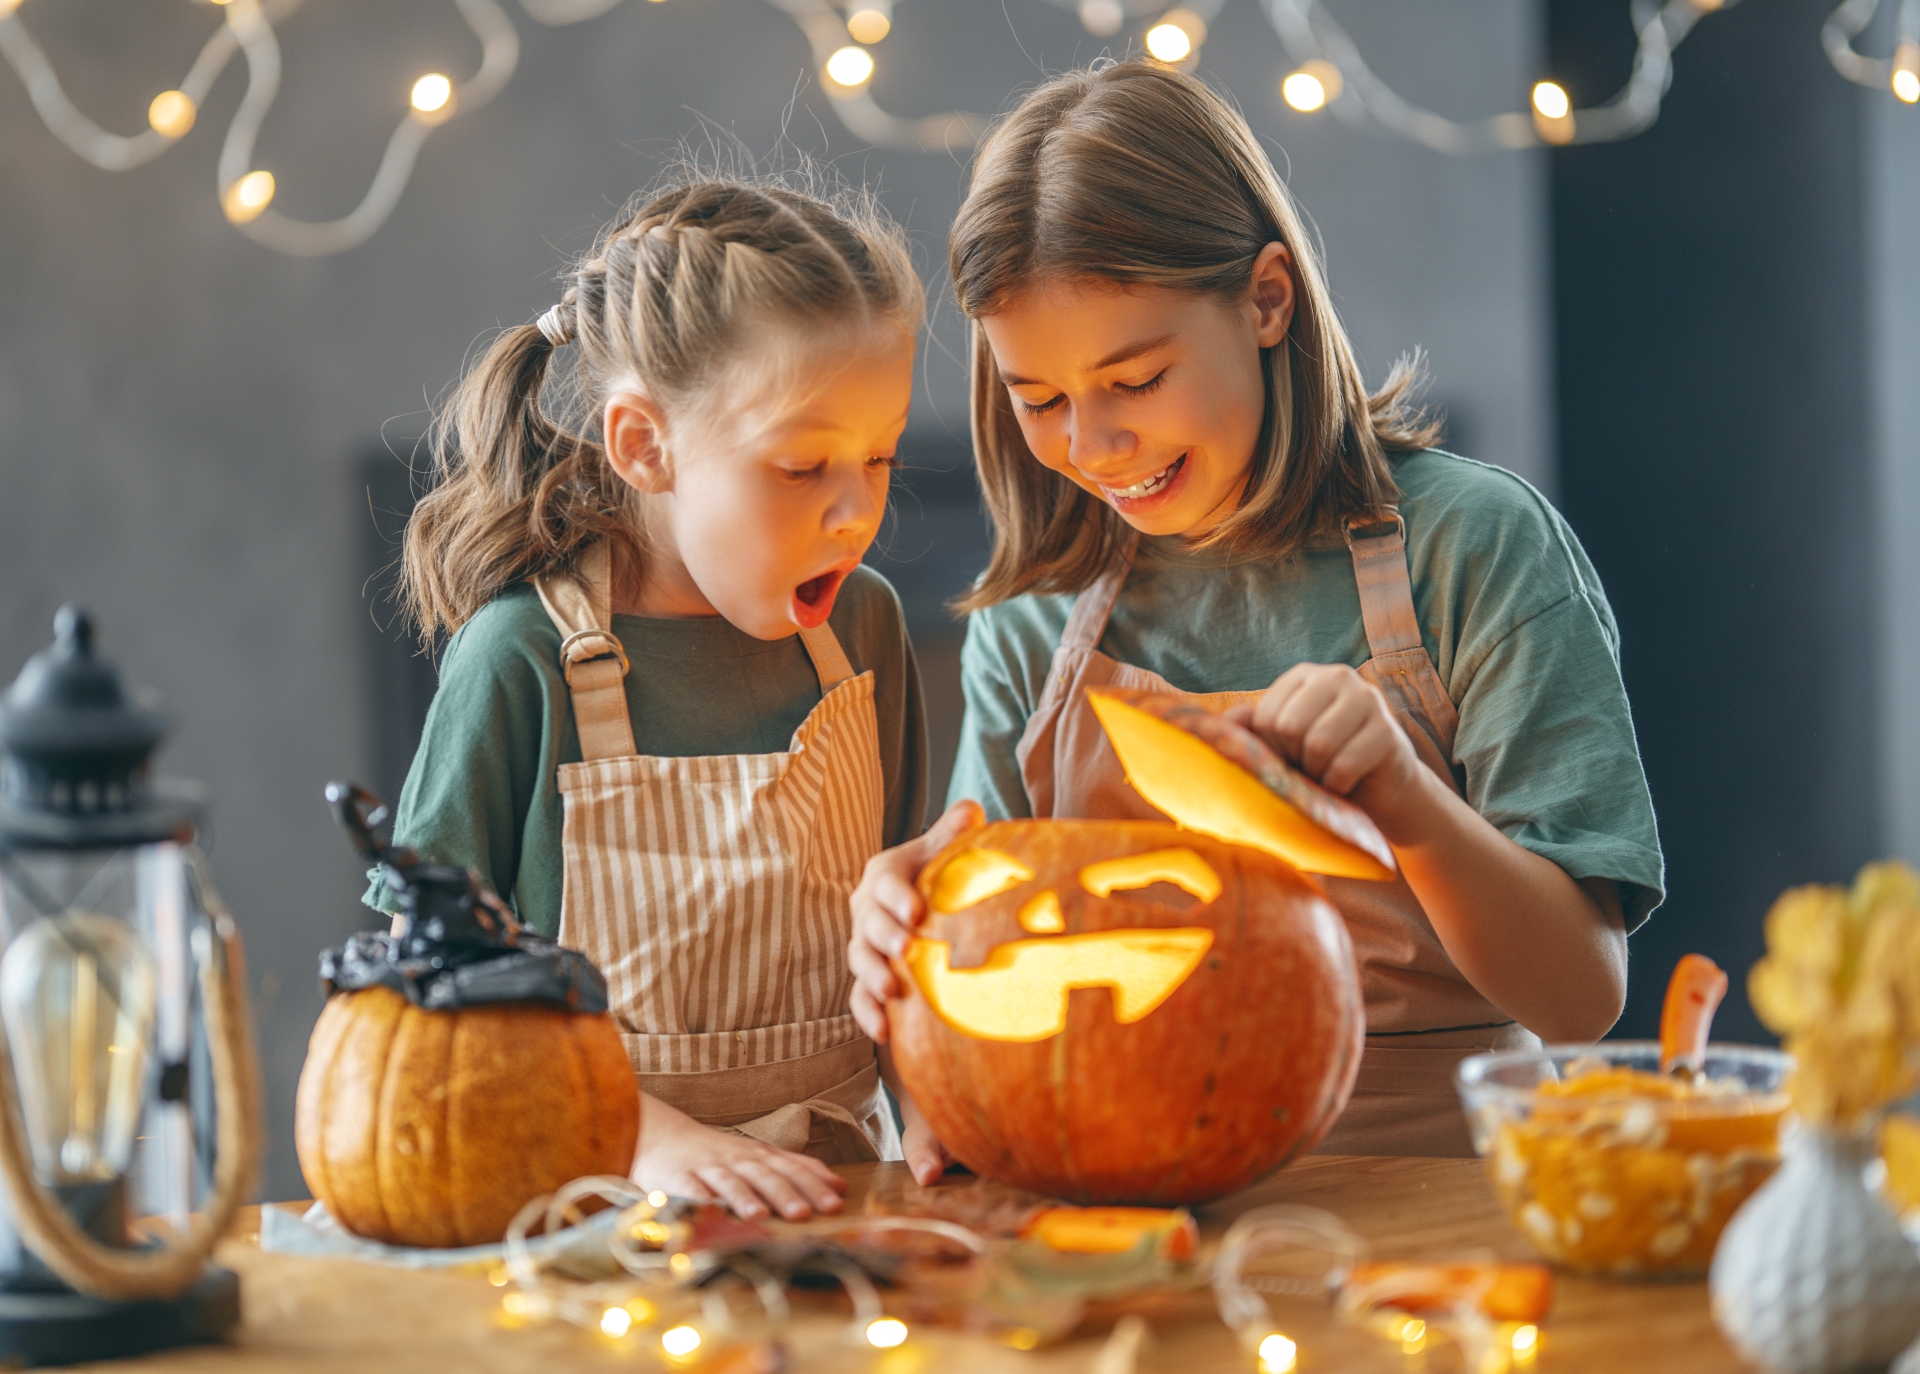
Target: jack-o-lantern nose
1042, 916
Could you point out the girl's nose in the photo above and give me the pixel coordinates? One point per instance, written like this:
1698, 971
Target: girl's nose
856, 508
1094, 441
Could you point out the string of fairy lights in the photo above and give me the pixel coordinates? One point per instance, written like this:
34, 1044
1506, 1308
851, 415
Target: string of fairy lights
1326, 73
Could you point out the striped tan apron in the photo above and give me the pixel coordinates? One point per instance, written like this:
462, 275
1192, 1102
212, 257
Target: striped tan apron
1423, 1017
712, 892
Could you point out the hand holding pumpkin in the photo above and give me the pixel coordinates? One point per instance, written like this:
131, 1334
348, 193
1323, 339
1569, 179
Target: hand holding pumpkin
680, 1156
1337, 728
887, 909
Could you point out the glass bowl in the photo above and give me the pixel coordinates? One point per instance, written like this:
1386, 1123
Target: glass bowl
1609, 1166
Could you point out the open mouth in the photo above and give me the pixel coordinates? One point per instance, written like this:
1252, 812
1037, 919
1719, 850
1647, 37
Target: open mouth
813, 599
1150, 486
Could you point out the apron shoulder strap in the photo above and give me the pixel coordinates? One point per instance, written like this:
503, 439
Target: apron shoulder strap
593, 659
1087, 622
829, 659
1377, 539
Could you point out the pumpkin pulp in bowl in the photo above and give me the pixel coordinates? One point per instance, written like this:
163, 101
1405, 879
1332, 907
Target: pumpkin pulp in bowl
1610, 1166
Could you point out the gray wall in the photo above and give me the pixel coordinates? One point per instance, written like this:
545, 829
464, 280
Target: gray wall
1893, 315
182, 412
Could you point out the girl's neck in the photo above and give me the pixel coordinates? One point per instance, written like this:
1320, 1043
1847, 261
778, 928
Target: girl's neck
658, 587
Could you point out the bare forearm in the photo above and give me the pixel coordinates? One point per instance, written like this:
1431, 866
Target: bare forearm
1545, 949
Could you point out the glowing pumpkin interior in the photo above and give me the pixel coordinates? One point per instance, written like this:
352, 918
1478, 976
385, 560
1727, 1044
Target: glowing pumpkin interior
1020, 993
1177, 756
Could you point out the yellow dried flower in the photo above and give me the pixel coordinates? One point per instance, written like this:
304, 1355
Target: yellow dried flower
1841, 982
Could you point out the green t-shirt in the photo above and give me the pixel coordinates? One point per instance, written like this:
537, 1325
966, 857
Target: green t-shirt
483, 789
1510, 610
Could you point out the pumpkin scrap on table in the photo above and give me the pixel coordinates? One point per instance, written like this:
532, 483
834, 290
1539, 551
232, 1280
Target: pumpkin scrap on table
1504, 1292
1115, 1230
1140, 1012
460, 1068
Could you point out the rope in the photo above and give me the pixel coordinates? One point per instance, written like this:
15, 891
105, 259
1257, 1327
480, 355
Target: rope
127, 1275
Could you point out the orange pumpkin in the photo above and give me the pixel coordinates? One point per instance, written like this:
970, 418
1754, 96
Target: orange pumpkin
1122, 1011
420, 1127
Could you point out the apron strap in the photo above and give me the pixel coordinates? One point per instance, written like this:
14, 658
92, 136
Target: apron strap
1386, 589
593, 659
1087, 622
829, 659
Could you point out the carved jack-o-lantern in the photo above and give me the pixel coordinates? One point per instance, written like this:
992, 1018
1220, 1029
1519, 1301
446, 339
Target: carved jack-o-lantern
1132, 1011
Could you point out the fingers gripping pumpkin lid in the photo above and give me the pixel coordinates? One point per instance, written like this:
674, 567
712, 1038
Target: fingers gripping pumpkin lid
1220, 779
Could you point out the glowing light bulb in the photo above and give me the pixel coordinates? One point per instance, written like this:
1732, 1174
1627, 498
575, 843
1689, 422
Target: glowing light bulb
1303, 91
850, 67
680, 1341
869, 21
431, 93
681, 1264
499, 1276
247, 197
1169, 42
172, 113
1102, 18
616, 1322
1550, 99
1278, 1355
886, 1332
514, 1304
656, 1199
1413, 1336
1524, 1340
1906, 71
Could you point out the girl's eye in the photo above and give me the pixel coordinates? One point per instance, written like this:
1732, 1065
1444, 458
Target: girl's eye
1031, 409
801, 474
1152, 384
883, 460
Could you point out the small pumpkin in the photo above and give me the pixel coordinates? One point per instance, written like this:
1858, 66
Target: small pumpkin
460, 1068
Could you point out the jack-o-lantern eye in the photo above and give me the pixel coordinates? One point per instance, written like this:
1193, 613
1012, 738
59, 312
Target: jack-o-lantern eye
1042, 915
972, 876
1182, 867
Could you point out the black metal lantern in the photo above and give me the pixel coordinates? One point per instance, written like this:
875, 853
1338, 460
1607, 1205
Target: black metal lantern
129, 1083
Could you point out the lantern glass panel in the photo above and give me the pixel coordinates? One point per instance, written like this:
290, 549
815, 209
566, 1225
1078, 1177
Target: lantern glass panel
97, 987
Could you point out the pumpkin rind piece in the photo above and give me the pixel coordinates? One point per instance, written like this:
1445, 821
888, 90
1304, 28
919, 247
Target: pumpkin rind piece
1220, 779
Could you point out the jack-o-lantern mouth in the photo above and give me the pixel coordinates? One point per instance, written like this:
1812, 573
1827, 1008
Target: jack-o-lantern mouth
1020, 993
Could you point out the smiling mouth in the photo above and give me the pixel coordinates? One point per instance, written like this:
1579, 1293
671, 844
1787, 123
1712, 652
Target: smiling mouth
1149, 486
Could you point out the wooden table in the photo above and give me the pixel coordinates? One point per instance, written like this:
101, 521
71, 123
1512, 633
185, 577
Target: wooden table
303, 1315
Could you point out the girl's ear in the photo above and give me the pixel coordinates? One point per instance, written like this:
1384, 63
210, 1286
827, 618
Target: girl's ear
636, 430
1272, 293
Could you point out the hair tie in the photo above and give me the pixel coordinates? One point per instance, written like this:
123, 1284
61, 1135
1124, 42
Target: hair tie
553, 324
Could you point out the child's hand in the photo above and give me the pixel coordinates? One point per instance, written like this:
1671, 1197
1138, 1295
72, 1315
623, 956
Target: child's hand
1338, 729
680, 1156
886, 910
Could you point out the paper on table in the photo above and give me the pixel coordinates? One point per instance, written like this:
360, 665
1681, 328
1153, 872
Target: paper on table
316, 1232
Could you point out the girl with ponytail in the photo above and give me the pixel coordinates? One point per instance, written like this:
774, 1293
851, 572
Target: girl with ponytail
676, 715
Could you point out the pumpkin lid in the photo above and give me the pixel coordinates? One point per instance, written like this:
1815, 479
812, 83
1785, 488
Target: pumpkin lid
1211, 775
459, 945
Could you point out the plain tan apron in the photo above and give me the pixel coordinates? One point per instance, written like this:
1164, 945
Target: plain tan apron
713, 894
1423, 1017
